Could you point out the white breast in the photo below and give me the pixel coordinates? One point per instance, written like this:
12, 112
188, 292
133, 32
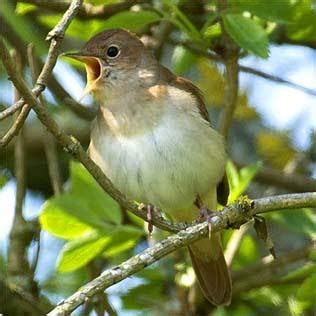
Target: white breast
168, 165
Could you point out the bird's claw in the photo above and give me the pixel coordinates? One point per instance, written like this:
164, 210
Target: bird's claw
150, 213
205, 215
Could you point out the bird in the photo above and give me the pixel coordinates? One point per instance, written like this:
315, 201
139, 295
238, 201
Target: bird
153, 138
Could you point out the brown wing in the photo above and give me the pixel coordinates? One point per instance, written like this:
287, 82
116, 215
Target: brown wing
185, 84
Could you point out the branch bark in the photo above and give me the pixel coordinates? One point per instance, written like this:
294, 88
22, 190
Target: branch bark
231, 215
87, 10
230, 55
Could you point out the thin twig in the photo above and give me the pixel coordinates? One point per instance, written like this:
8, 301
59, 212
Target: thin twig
20, 235
271, 272
55, 36
88, 10
292, 182
234, 243
228, 217
230, 95
49, 141
16, 126
230, 55
60, 93
276, 79
250, 70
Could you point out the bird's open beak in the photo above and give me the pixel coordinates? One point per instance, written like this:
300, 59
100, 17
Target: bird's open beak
93, 68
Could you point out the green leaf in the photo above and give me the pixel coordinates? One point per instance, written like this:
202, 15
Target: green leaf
24, 8
131, 20
178, 18
77, 253
78, 208
56, 219
247, 252
239, 182
301, 221
232, 175
3, 180
301, 272
247, 33
100, 204
307, 291
276, 10
182, 60
23, 27
246, 175
143, 296
304, 28
125, 237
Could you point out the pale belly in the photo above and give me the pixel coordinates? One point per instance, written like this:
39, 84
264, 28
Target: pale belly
168, 167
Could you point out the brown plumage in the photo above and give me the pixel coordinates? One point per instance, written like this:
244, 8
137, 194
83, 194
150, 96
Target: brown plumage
154, 140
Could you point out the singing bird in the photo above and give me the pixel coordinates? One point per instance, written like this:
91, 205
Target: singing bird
153, 138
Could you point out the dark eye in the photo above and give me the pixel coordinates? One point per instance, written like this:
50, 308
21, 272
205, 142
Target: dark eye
112, 51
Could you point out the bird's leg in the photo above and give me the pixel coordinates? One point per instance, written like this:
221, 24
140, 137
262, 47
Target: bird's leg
150, 213
204, 214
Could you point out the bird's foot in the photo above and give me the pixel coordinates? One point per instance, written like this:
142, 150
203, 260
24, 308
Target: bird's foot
150, 214
206, 215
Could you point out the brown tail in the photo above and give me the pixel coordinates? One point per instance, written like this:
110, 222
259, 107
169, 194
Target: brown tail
212, 272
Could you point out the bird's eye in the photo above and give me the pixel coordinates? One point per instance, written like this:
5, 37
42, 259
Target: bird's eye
112, 51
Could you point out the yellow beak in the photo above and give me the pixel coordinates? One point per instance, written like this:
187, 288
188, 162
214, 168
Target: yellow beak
93, 69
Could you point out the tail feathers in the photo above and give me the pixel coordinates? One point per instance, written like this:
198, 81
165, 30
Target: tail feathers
213, 277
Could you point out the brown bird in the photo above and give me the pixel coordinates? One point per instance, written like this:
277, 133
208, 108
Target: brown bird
152, 137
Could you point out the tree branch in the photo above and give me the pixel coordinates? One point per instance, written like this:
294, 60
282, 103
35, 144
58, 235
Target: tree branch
271, 272
230, 55
230, 216
49, 143
16, 126
87, 10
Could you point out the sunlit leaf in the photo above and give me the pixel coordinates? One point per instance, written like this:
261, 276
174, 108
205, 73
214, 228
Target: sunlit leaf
23, 8
77, 253
307, 291
56, 218
239, 181
247, 33
182, 60
101, 205
304, 26
77, 207
124, 238
276, 10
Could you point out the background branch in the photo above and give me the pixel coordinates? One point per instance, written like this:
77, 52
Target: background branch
87, 10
